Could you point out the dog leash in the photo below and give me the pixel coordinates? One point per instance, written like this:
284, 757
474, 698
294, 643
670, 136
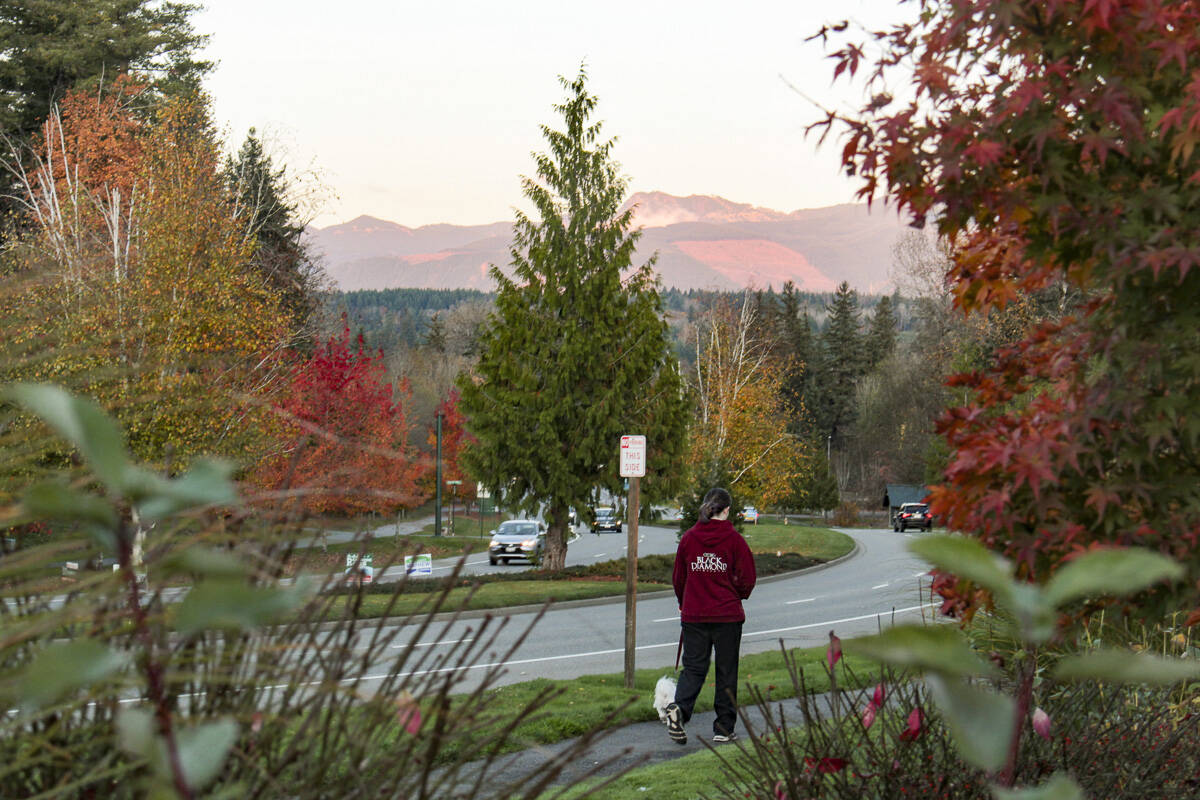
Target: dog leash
679, 651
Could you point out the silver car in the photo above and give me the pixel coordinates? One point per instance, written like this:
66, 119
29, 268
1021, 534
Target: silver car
517, 538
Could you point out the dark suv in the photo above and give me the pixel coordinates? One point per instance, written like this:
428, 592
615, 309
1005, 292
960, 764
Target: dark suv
913, 515
606, 520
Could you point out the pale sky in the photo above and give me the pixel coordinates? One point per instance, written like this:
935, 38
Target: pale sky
423, 112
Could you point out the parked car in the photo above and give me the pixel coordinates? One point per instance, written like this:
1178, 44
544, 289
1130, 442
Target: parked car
749, 514
913, 515
517, 538
606, 520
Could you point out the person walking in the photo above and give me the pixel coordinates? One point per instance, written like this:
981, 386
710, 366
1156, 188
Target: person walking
714, 573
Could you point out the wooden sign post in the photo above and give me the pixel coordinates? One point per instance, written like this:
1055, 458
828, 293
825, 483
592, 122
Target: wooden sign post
633, 467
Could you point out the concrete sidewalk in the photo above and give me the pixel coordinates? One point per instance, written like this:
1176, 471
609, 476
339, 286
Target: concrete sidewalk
639, 745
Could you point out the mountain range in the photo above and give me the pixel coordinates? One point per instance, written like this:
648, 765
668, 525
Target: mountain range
702, 241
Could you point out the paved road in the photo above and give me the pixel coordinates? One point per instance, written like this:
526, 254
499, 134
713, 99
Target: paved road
880, 582
584, 548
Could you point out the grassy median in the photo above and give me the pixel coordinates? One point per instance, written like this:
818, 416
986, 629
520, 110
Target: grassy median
822, 544
492, 594
790, 548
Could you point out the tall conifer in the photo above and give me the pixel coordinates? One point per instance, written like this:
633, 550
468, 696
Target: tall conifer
843, 363
881, 335
577, 352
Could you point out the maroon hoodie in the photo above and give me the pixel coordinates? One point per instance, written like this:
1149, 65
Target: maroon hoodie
714, 573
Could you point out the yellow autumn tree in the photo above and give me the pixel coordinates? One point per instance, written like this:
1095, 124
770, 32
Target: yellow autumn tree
742, 423
132, 285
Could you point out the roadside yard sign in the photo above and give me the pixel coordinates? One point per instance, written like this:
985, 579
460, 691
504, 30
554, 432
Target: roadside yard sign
360, 566
633, 456
421, 564
482, 492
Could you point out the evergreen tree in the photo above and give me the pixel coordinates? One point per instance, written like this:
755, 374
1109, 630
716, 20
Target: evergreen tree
577, 353
881, 334
49, 47
842, 364
712, 475
796, 346
261, 204
821, 491
766, 323
435, 334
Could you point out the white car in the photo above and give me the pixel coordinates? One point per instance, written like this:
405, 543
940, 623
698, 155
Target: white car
750, 514
517, 538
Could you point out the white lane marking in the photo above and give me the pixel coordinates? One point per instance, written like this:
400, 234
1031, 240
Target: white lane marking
517, 662
572, 655
920, 574
600, 555
839, 621
434, 644
805, 600
880, 586
667, 619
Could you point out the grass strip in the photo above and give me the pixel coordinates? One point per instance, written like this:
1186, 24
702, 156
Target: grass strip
584, 704
822, 544
683, 778
494, 594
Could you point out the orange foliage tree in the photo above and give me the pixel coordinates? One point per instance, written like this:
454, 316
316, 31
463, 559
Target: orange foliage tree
131, 283
349, 449
742, 424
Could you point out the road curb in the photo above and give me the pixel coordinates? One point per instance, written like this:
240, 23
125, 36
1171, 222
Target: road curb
530, 608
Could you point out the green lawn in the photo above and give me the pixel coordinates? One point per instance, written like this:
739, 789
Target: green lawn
383, 549
591, 702
823, 544
778, 549
679, 779
498, 594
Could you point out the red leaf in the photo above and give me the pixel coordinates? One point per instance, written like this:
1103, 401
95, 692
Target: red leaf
834, 653
913, 730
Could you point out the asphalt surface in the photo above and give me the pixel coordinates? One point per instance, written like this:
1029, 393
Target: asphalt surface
640, 745
880, 581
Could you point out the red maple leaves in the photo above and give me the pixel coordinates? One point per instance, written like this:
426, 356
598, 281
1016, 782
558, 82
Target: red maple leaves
1056, 145
349, 449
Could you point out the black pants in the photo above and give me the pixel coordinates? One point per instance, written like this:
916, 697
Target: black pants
699, 641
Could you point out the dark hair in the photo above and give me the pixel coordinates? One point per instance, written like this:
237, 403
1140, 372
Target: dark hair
715, 501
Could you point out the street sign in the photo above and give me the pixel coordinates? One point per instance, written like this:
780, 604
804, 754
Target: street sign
633, 456
454, 483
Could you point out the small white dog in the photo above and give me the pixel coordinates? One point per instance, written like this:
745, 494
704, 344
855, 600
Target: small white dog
664, 695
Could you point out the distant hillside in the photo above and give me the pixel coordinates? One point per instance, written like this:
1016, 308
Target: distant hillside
703, 242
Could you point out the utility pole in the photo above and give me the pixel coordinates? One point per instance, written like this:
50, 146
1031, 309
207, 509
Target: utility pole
437, 481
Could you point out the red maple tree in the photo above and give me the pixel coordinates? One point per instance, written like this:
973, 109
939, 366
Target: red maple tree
1054, 144
350, 451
